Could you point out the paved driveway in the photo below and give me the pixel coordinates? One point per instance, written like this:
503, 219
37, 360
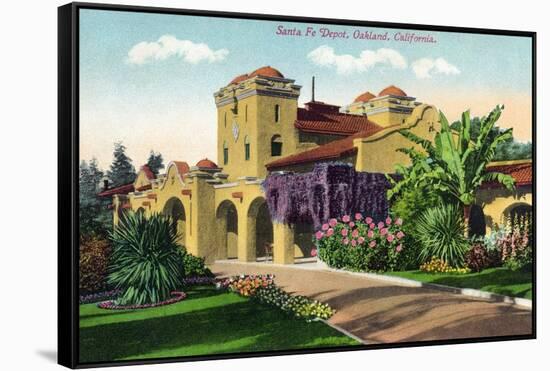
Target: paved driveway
382, 312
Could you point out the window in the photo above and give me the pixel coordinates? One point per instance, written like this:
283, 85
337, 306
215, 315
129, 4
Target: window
276, 145
225, 153
246, 148
277, 113
246, 113
225, 119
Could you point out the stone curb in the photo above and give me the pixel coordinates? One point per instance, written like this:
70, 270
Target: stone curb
521, 302
345, 332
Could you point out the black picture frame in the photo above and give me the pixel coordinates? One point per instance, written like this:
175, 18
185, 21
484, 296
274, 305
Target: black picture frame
68, 167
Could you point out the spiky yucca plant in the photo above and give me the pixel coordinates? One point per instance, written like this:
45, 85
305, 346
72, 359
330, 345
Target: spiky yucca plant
146, 262
440, 232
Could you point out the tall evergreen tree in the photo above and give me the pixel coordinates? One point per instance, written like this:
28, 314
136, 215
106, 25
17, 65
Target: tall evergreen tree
95, 219
122, 171
155, 162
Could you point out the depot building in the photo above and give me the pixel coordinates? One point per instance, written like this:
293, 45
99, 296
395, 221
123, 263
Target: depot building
219, 205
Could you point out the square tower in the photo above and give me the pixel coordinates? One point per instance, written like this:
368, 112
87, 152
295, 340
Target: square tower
392, 106
256, 115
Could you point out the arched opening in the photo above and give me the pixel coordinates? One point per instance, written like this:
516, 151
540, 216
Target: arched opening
246, 148
175, 210
140, 210
476, 222
260, 230
228, 229
519, 216
276, 145
225, 153
303, 239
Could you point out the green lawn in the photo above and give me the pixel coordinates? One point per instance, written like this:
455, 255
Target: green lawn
498, 280
207, 322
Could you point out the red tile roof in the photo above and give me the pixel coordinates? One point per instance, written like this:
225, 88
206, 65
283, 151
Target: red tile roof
207, 164
267, 71
332, 122
392, 90
522, 173
182, 167
148, 173
330, 151
120, 190
365, 97
239, 78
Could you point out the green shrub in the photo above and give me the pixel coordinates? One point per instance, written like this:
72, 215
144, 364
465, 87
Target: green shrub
440, 231
193, 266
146, 261
409, 204
477, 258
93, 261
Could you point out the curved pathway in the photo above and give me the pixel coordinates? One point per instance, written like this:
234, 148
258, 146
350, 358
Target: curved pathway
382, 312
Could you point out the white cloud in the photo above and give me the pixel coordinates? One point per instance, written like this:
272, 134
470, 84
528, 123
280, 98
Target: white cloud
168, 46
424, 68
346, 63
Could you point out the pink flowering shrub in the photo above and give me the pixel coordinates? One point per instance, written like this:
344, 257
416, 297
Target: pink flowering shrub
516, 250
358, 243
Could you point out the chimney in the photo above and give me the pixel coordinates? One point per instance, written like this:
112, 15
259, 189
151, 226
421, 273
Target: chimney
313, 88
105, 184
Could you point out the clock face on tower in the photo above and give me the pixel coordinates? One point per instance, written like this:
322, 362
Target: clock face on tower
235, 130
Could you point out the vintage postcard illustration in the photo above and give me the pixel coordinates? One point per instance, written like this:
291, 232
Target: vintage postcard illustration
258, 185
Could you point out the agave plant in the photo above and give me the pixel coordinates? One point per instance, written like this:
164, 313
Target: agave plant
440, 232
146, 261
454, 165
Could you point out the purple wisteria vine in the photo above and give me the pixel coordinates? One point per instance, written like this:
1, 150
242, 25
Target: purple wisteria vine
331, 190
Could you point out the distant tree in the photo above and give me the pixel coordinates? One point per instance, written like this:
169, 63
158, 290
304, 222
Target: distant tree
155, 162
93, 213
510, 149
122, 171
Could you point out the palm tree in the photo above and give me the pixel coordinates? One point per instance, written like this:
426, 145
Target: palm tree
454, 165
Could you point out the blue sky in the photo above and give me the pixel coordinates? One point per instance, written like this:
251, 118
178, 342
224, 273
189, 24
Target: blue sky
165, 101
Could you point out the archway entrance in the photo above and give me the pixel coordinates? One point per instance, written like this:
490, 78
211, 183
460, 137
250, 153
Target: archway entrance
260, 230
228, 229
175, 210
476, 223
519, 216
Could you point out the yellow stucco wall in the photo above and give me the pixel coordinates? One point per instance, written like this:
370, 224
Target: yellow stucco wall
498, 202
377, 153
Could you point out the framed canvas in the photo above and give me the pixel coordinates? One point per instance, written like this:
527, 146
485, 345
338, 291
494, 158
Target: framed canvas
241, 185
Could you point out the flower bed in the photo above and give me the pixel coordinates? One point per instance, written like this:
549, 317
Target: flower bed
176, 297
436, 265
361, 244
264, 289
99, 296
